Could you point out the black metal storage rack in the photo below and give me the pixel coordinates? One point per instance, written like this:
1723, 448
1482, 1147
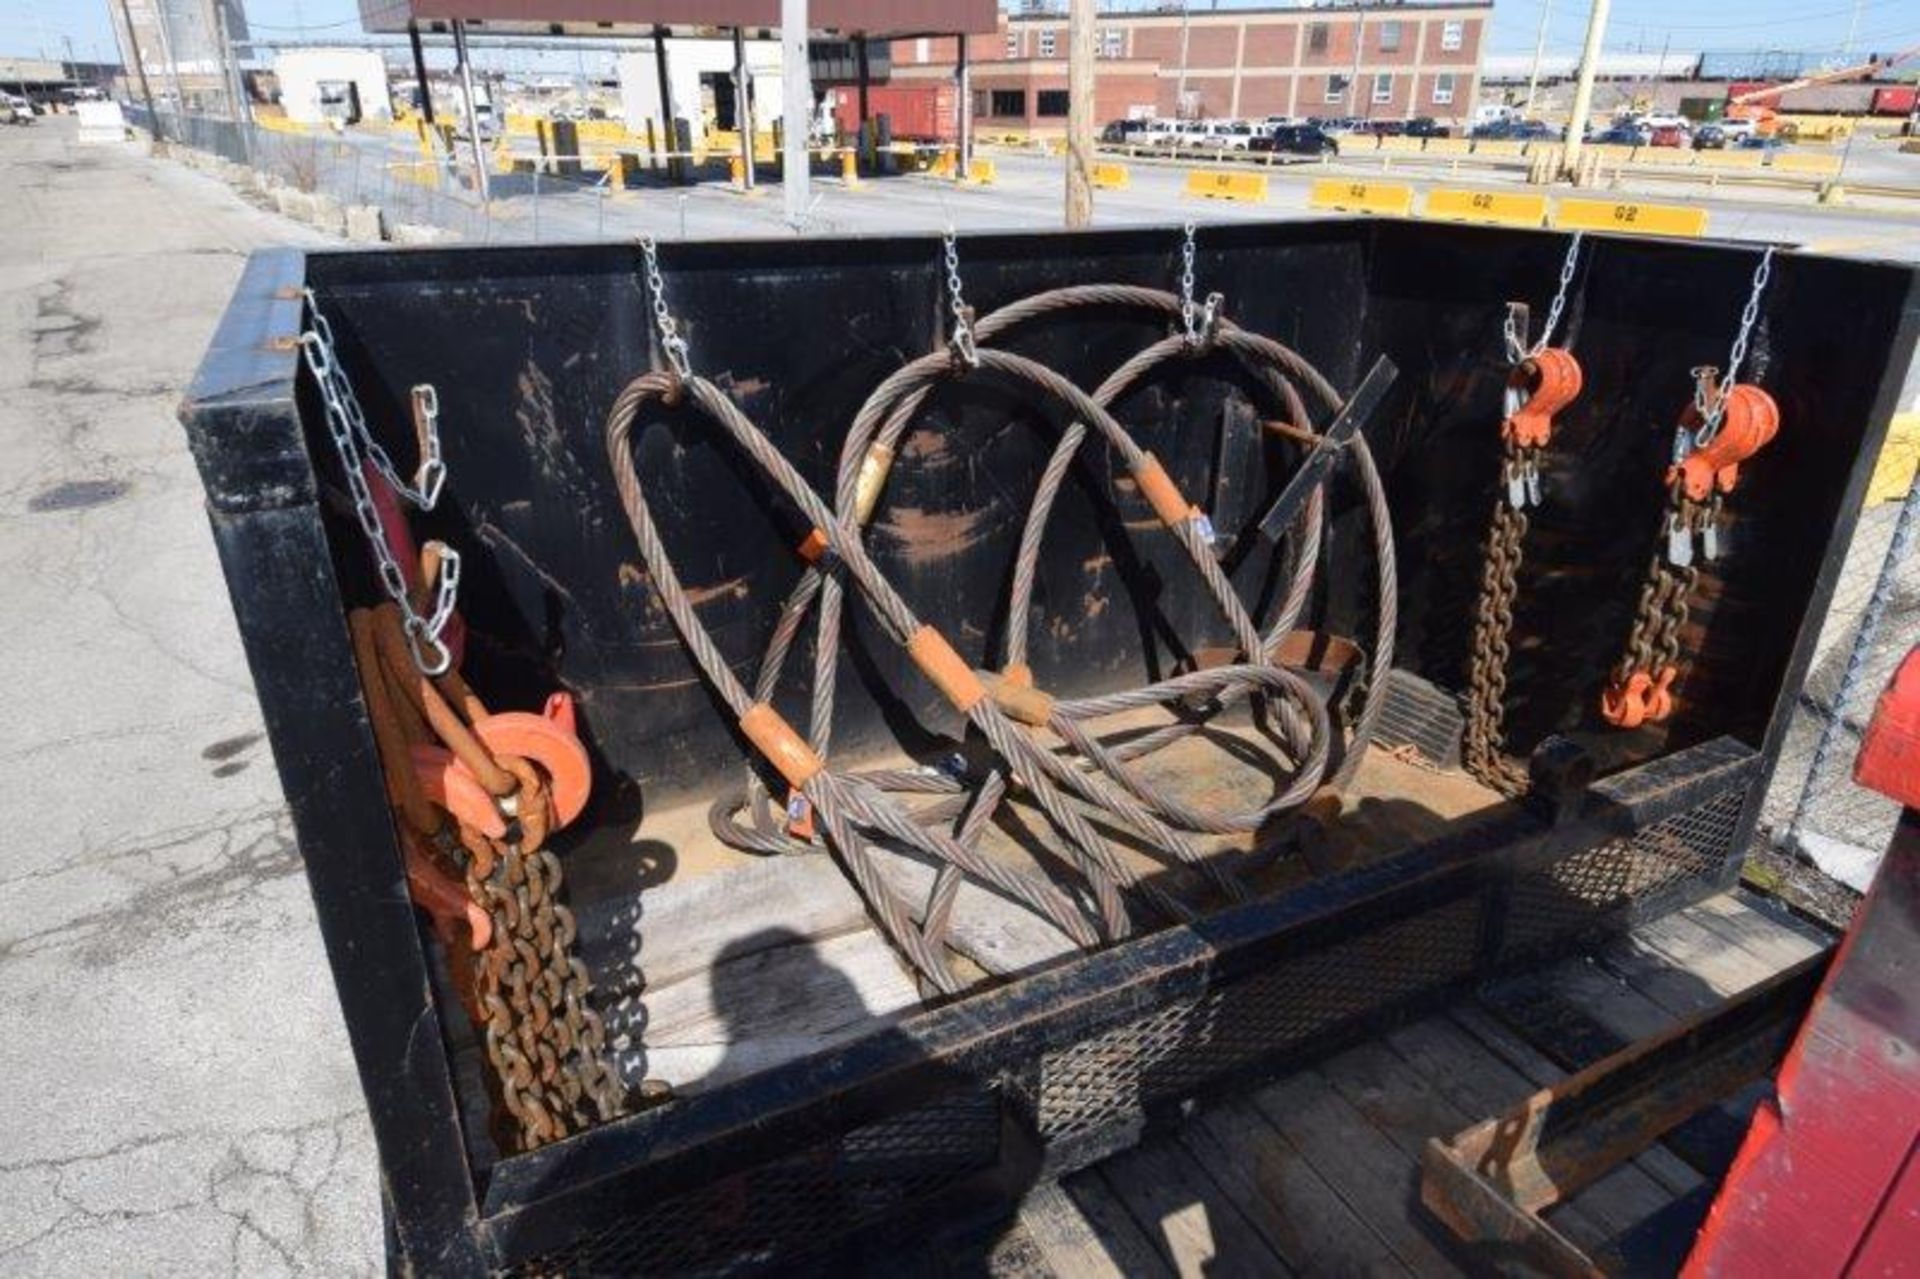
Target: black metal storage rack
959, 1107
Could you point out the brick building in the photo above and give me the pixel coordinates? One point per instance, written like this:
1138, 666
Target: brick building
1413, 59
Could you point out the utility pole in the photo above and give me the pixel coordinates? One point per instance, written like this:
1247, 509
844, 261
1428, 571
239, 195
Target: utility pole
796, 89
473, 109
1180, 98
166, 51
1583, 87
1539, 51
743, 106
963, 109
229, 69
1080, 103
1353, 81
140, 66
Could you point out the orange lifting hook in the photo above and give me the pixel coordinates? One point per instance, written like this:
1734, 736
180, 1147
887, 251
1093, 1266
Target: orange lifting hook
1550, 379
1642, 699
1749, 420
546, 740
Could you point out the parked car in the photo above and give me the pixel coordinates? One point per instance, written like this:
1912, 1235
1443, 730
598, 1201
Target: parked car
1517, 131
1667, 135
1125, 131
1620, 135
1384, 128
1232, 135
1296, 139
1710, 137
1756, 142
1159, 133
1425, 126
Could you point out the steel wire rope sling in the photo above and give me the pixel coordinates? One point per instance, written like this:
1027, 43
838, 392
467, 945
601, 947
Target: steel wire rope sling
1722, 426
849, 808
474, 793
866, 459
1542, 380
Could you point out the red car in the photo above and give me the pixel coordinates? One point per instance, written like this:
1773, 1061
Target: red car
1668, 135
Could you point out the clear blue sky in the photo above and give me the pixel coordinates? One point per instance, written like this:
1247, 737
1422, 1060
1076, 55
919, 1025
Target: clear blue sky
28, 27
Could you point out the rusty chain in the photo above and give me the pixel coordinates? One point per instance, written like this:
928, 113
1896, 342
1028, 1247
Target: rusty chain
544, 1041
1483, 745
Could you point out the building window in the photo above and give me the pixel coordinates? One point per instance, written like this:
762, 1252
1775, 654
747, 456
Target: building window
1389, 37
1336, 88
1013, 44
1113, 43
1443, 89
920, 49
1383, 88
1052, 102
1046, 43
1452, 34
1007, 102
1316, 37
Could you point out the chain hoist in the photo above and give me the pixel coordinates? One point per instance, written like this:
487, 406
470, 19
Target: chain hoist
1723, 425
1542, 380
360, 453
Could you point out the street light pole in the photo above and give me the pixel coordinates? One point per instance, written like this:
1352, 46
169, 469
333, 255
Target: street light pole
1583, 88
1539, 51
1080, 94
473, 109
140, 66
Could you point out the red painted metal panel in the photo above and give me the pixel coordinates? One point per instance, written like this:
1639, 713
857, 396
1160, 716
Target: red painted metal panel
1825, 1182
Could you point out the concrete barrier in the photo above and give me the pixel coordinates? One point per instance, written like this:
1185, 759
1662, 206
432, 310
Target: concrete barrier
1825, 166
366, 224
1490, 208
1632, 216
1227, 184
982, 171
1392, 198
1112, 177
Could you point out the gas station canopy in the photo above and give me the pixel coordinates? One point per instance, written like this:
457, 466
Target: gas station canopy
606, 18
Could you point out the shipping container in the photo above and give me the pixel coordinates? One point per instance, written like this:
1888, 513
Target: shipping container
1894, 101
919, 112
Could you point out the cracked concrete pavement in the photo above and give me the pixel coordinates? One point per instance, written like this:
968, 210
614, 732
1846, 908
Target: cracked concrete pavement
185, 1102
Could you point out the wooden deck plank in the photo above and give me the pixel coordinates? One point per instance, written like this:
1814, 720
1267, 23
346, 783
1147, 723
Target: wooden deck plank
1186, 1216
1401, 1102
1772, 933
1084, 1233
762, 1008
1301, 1217
1119, 1233
1375, 1178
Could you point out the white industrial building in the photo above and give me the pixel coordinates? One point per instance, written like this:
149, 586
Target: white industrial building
700, 77
320, 85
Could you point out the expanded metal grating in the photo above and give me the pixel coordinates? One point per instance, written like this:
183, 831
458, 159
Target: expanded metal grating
1108, 1079
1420, 715
1590, 888
786, 1209
1091, 1095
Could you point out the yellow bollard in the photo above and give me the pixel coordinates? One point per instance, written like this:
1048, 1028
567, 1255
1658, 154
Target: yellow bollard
850, 169
737, 171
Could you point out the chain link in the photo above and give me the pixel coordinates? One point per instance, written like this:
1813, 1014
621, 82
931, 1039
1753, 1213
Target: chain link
1518, 350
353, 442
1197, 319
1710, 396
1483, 744
670, 340
963, 344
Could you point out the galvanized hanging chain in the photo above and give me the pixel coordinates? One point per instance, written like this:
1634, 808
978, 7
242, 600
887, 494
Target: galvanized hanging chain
964, 348
1710, 395
353, 442
671, 342
1518, 350
1197, 320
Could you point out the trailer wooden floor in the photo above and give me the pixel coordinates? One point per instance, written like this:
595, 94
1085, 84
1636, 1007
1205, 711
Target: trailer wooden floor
1319, 1173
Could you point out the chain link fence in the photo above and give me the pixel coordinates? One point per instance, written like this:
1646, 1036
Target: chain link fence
366, 168
1813, 810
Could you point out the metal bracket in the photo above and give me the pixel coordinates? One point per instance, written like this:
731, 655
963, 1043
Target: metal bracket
1359, 408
